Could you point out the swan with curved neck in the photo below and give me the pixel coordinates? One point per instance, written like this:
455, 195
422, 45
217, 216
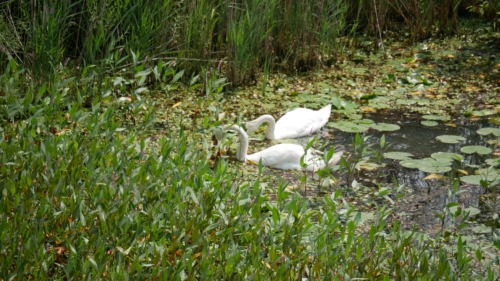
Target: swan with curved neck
284, 156
296, 123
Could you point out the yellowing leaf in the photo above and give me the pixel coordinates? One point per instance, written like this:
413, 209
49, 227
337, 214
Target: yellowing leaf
471, 89
451, 125
177, 104
367, 109
463, 171
474, 118
434, 176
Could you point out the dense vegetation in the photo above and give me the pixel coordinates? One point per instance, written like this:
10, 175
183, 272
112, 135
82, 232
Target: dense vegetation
95, 183
243, 38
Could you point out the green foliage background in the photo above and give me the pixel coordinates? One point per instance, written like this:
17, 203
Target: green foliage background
248, 36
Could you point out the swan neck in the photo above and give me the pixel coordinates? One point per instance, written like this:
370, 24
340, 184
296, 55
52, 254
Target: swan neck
271, 124
243, 147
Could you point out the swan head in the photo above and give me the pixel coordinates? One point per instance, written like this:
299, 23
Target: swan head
251, 126
219, 133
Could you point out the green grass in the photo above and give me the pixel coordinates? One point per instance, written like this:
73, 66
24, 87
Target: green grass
98, 193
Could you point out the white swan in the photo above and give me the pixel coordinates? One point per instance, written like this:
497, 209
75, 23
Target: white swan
296, 123
284, 156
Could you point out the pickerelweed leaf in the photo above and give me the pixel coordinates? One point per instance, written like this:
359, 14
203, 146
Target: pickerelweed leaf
450, 138
476, 149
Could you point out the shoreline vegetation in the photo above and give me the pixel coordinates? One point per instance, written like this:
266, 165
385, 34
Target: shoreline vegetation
108, 172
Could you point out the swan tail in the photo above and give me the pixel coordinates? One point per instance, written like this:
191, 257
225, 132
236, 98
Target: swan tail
335, 158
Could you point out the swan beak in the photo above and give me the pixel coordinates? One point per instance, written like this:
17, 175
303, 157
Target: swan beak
252, 162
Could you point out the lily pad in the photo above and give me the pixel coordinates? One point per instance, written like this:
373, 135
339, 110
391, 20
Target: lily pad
450, 138
481, 229
385, 127
495, 120
428, 165
368, 166
424, 102
364, 121
411, 163
482, 150
436, 117
484, 112
406, 102
488, 173
473, 179
348, 127
395, 155
429, 123
493, 162
487, 131
447, 155
483, 174
471, 210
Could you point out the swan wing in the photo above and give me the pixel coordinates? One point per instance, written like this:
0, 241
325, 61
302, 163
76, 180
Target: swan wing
315, 161
281, 156
301, 122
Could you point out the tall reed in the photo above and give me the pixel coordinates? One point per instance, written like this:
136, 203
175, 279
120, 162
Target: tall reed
238, 38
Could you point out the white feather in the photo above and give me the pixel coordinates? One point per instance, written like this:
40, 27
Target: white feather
296, 123
282, 156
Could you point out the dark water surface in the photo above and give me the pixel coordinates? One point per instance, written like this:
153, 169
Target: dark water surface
425, 197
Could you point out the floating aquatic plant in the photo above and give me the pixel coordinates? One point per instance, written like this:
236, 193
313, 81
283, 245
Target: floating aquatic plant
450, 138
482, 150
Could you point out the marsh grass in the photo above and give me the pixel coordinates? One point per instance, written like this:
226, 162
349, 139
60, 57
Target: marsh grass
241, 38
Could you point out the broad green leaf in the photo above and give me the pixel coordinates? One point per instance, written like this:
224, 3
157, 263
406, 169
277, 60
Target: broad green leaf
429, 123
398, 155
450, 138
487, 131
482, 150
446, 155
385, 127
436, 117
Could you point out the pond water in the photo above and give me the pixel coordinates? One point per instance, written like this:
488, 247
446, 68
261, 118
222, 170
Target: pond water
425, 197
